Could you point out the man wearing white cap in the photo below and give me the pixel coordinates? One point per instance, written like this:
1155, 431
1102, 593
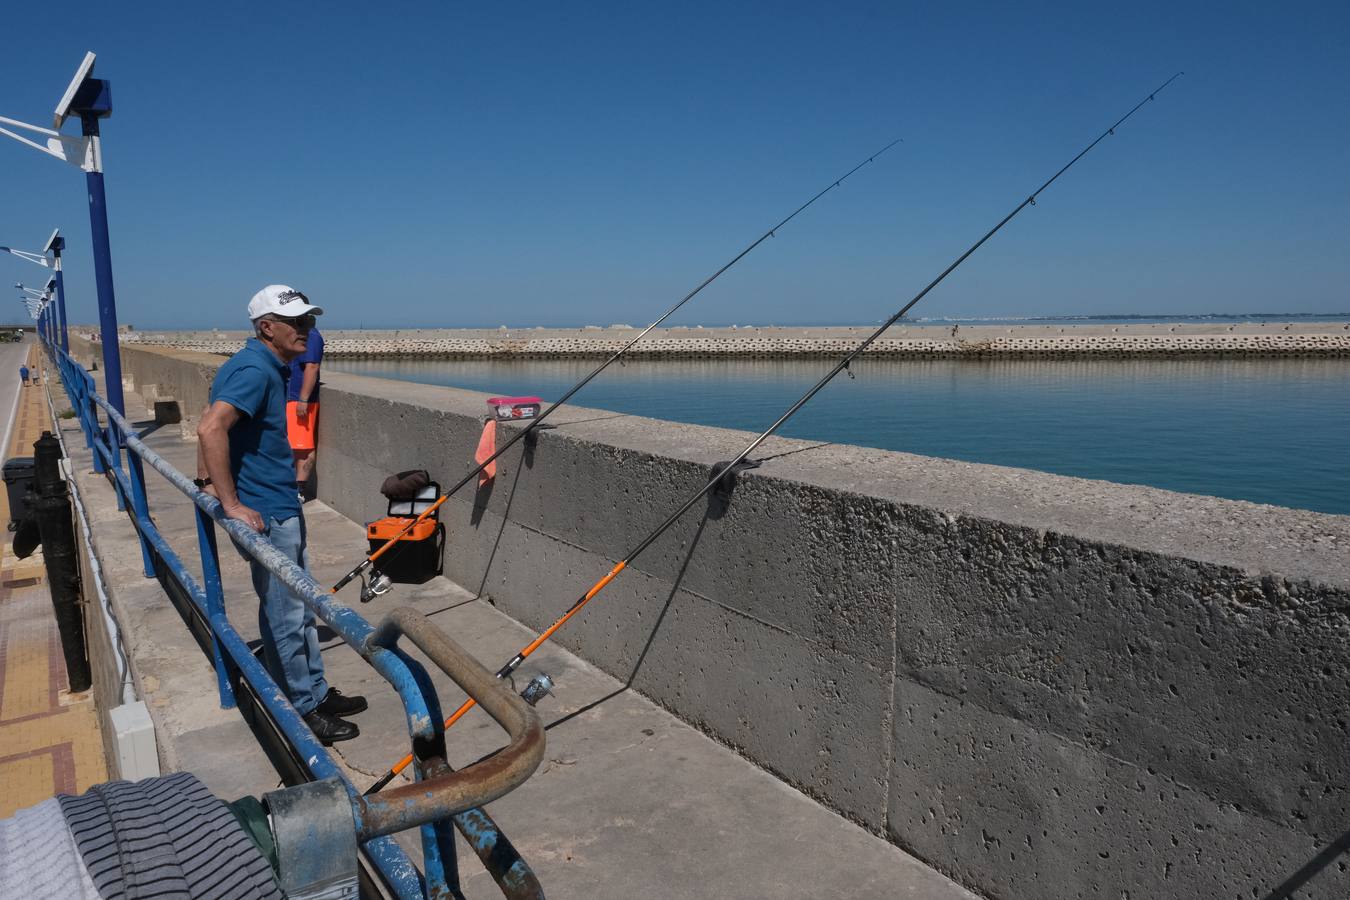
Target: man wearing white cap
246, 457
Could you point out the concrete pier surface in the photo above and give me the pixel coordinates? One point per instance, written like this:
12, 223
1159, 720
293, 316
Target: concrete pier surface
1041, 686
1292, 338
629, 802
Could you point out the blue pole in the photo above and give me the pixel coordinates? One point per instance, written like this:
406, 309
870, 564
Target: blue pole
103, 279
141, 504
215, 601
61, 305
107, 302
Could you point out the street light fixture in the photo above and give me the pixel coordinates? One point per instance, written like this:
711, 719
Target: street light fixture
89, 99
34, 305
55, 244
36, 300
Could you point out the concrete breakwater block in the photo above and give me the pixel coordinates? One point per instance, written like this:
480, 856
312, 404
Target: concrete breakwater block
708, 347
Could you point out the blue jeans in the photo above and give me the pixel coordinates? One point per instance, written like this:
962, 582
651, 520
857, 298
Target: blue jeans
290, 634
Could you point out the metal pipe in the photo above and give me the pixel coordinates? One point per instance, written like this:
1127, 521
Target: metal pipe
452, 792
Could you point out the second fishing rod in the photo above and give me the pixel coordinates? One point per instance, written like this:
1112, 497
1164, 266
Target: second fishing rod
724, 470
396, 544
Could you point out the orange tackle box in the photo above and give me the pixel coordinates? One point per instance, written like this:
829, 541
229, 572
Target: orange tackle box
417, 557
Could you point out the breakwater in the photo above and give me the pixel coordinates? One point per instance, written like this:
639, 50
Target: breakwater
1267, 339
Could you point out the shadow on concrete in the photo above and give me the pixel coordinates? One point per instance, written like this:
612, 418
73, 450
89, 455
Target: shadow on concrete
146, 427
480, 506
482, 495
1311, 868
591, 419
651, 636
450, 607
764, 459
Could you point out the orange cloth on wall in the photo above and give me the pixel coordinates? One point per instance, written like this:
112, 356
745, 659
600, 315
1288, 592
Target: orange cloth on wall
487, 445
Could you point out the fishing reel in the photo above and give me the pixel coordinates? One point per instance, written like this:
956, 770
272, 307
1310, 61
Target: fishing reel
379, 585
539, 687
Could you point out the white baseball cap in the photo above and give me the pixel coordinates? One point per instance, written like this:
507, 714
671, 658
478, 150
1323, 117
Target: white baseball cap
280, 300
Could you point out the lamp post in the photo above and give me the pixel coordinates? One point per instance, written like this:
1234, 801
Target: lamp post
90, 99
55, 244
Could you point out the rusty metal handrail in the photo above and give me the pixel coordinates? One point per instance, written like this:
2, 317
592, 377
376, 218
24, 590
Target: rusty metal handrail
446, 792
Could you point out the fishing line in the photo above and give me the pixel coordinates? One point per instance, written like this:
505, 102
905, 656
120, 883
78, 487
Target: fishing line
534, 423
722, 469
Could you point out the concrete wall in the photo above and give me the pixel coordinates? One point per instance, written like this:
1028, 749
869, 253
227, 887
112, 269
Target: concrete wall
1044, 686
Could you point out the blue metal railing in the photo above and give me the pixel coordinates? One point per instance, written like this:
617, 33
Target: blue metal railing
440, 794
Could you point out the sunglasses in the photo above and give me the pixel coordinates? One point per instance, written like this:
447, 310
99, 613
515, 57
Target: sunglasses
299, 323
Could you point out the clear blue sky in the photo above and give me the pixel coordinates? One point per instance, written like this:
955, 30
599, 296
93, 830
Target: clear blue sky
561, 164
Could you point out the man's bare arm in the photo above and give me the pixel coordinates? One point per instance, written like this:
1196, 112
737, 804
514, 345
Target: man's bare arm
308, 382
213, 455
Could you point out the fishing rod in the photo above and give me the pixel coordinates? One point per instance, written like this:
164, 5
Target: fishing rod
534, 423
722, 469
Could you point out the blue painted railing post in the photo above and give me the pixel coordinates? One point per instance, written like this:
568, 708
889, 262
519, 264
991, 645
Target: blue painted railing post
86, 404
141, 504
80, 402
95, 433
215, 601
440, 866
114, 447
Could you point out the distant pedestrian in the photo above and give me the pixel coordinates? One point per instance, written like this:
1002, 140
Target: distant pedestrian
23, 374
302, 409
246, 460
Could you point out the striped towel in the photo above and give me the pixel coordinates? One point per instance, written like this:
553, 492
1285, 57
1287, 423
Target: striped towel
165, 837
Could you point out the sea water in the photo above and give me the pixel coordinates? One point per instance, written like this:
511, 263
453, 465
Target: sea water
1267, 430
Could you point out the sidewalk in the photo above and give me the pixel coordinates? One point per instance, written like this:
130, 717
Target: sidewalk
629, 801
49, 738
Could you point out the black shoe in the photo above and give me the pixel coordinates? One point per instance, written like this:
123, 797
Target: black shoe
334, 704
330, 729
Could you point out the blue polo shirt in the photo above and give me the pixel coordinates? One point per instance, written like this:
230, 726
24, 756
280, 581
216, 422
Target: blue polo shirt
253, 381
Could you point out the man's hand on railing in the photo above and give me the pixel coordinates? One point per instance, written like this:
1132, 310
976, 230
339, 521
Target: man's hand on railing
241, 512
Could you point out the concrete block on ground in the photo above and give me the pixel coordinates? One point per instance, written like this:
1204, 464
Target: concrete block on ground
167, 412
134, 736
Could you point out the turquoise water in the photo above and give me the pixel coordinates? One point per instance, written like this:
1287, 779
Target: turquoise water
1270, 431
